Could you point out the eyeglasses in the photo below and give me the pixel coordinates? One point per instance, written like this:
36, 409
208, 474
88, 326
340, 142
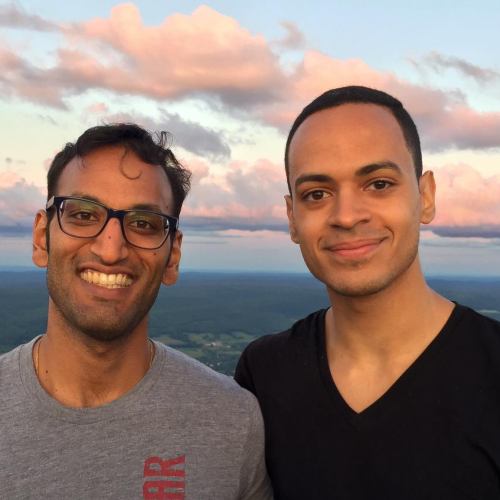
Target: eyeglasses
84, 218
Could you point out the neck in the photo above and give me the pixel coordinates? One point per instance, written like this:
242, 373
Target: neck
401, 319
81, 372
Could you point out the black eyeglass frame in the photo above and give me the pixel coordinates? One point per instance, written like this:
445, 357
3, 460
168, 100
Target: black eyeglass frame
171, 227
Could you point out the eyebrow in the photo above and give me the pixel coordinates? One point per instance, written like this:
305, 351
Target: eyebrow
139, 206
373, 167
360, 172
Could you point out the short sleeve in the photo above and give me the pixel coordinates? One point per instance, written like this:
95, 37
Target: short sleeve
254, 481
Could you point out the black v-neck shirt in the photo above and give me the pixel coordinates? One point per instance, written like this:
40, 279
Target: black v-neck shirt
435, 434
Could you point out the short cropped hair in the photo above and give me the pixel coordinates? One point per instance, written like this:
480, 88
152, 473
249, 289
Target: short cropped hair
152, 150
358, 94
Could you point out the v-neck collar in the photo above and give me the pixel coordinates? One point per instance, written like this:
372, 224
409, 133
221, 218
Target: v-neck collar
396, 393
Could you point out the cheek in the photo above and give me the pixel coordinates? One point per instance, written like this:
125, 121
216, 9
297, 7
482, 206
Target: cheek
407, 222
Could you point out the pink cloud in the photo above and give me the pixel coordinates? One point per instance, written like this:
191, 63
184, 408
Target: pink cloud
202, 52
466, 198
97, 108
461, 127
245, 197
211, 56
19, 201
444, 118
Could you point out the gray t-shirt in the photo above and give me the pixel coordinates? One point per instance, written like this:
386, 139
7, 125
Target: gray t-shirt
183, 432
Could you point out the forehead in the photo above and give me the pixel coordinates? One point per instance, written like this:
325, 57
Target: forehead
354, 135
118, 178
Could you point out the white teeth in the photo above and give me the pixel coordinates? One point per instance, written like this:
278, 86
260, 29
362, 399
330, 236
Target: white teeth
106, 280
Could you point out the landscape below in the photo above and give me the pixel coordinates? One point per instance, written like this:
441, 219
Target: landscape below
213, 316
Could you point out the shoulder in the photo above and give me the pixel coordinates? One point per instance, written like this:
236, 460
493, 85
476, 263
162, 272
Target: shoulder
9, 362
7, 358
300, 334
484, 329
469, 316
199, 382
276, 358
14, 366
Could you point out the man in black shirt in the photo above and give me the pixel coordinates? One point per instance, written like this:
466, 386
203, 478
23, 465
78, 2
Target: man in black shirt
394, 391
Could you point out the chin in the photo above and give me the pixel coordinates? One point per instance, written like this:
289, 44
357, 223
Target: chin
103, 326
105, 334
357, 289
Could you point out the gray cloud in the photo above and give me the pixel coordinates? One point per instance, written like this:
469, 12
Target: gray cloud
440, 62
12, 16
11, 161
479, 231
18, 77
15, 231
195, 138
191, 136
198, 223
293, 39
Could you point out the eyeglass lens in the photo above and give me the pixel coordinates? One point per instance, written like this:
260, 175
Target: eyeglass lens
85, 219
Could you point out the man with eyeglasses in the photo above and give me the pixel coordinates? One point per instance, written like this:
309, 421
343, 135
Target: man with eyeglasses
94, 408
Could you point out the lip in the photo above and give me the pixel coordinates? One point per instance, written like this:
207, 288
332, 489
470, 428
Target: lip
355, 249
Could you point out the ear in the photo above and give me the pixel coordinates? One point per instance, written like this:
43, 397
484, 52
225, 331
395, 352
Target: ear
427, 188
171, 271
40, 254
291, 219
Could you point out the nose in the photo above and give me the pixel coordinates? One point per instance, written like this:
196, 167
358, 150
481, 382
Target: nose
110, 246
349, 209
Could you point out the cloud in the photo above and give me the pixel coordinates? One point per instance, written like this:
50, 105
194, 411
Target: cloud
97, 108
19, 201
444, 118
465, 197
17, 78
202, 54
193, 137
190, 222
207, 55
481, 231
9, 162
293, 39
247, 197
461, 127
12, 16
440, 63
189, 135
468, 204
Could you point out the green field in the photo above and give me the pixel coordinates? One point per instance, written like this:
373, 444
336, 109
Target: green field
212, 317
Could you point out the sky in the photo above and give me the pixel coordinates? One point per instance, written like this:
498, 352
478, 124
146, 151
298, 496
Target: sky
227, 79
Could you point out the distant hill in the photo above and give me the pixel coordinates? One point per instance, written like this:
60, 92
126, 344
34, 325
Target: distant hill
213, 316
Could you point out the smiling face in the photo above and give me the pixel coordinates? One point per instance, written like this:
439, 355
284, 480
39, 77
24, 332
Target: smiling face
103, 287
356, 204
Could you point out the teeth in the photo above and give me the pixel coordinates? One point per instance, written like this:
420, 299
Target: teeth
106, 280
